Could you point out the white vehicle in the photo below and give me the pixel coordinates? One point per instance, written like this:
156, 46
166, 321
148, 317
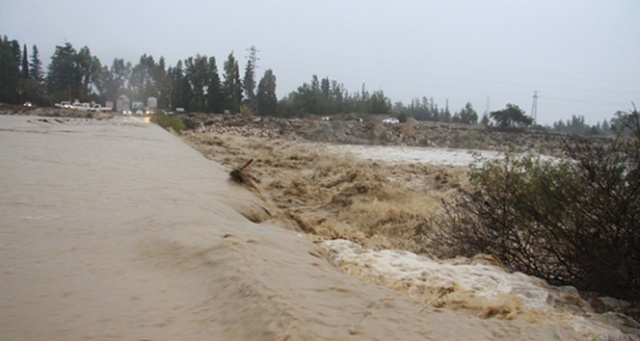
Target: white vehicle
82, 106
64, 105
391, 120
98, 107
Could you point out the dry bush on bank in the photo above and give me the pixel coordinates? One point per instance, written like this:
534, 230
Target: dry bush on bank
573, 221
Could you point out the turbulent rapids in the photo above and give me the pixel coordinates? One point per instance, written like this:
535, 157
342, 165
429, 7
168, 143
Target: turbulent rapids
115, 229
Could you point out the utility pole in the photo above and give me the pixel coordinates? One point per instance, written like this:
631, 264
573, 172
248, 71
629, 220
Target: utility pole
486, 110
534, 107
253, 58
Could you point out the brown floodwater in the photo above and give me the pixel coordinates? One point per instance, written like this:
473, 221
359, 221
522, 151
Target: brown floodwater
117, 230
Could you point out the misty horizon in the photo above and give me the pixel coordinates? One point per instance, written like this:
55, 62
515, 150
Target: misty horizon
580, 58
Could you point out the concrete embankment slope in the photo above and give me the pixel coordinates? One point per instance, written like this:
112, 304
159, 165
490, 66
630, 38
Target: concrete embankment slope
116, 230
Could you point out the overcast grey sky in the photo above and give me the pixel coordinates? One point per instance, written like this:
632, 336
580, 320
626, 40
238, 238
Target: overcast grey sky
582, 56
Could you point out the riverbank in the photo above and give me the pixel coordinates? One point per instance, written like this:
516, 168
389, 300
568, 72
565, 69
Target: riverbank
116, 229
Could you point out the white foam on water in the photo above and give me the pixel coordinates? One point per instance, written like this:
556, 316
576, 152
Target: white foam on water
476, 279
423, 155
471, 281
437, 156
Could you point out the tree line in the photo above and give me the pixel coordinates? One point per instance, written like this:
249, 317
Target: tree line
196, 85
193, 83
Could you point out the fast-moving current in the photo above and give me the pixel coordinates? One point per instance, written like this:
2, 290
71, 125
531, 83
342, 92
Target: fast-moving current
117, 230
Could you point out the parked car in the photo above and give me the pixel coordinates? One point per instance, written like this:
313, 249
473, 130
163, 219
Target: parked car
391, 120
82, 106
64, 105
98, 107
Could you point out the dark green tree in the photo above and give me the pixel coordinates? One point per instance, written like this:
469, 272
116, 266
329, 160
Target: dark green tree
97, 80
266, 100
31, 88
25, 63
325, 87
232, 85
84, 63
466, 115
163, 84
35, 67
15, 51
378, 103
198, 73
64, 79
9, 73
249, 81
115, 79
215, 96
309, 99
511, 116
337, 96
181, 88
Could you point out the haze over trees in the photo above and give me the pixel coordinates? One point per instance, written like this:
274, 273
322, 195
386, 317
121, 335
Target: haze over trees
197, 85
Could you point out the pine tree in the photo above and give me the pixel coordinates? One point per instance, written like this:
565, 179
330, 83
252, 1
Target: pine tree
181, 93
64, 79
15, 51
249, 81
35, 70
25, 63
325, 86
266, 100
197, 72
162, 82
215, 96
466, 115
84, 63
232, 86
9, 73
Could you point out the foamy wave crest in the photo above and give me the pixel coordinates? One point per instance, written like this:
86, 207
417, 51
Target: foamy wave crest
470, 284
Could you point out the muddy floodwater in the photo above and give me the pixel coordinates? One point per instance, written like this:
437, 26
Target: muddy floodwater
118, 230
